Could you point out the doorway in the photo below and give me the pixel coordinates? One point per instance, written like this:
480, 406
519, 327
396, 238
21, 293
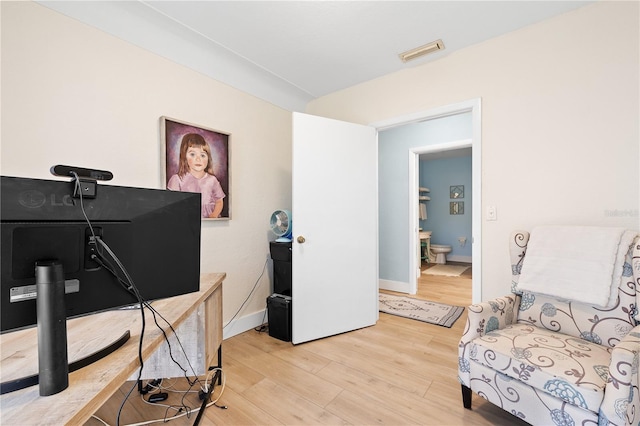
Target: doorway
444, 216
407, 217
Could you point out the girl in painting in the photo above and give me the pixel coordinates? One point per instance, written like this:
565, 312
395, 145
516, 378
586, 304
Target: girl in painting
195, 174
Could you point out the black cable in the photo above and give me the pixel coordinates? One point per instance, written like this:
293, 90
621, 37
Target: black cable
130, 287
131, 284
128, 284
79, 192
264, 268
107, 265
263, 327
166, 338
134, 289
206, 399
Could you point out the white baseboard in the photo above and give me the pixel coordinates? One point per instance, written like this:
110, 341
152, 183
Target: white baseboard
465, 259
247, 322
242, 324
398, 286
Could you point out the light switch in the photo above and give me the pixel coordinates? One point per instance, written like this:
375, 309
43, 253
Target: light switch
492, 213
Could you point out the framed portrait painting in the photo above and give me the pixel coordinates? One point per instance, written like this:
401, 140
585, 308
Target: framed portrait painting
196, 159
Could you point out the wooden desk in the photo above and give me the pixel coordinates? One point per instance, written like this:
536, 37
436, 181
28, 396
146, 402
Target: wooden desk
90, 387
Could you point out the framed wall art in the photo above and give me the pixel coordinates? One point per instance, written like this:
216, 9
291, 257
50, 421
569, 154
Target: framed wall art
456, 191
196, 159
456, 207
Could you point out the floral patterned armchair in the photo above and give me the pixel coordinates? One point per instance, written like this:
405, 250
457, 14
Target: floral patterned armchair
551, 361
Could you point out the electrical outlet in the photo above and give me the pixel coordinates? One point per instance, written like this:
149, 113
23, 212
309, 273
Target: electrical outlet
492, 213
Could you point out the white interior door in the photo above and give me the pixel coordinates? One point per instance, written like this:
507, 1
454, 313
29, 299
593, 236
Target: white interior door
335, 210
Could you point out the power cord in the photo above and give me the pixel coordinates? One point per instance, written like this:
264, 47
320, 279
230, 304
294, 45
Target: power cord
184, 410
264, 268
153, 384
263, 327
98, 255
107, 265
127, 282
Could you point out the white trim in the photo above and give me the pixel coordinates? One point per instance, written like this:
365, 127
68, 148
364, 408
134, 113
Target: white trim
398, 286
430, 114
457, 258
476, 190
242, 324
473, 106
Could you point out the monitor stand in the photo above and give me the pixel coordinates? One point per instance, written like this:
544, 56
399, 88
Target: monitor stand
24, 382
53, 366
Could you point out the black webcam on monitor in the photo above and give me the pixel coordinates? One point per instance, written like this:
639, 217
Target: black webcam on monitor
87, 186
61, 170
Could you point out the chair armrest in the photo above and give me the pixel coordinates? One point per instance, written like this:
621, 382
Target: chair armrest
621, 404
492, 315
517, 249
481, 319
635, 267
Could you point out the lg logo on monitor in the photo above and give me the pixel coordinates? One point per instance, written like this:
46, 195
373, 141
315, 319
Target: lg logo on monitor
35, 199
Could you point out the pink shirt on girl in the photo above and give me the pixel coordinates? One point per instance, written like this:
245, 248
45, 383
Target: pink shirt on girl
208, 186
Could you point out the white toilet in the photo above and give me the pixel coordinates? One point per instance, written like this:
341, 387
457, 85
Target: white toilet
441, 252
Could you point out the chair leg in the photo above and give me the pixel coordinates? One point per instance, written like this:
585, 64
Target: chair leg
466, 397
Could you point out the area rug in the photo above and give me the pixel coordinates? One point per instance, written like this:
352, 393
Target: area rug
421, 310
446, 270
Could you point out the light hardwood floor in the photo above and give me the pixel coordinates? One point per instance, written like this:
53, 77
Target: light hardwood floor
398, 372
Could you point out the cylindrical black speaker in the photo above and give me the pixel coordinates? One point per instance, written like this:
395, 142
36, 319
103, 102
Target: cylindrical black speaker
53, 364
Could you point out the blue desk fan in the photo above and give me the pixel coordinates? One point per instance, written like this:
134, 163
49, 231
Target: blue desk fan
281, 225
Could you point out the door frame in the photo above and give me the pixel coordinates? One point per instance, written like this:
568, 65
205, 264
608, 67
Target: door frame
473, 106
414, 179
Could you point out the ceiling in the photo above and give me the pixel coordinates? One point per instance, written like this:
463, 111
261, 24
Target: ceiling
291, 52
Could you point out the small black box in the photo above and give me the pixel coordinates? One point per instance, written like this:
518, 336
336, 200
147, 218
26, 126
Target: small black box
280, 251
281, 255
279, 311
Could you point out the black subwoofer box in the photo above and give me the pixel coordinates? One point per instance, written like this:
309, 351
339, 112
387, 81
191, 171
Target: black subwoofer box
281, 255
279, 312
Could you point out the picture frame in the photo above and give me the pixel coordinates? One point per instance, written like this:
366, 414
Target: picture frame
456, 191
456, 207
183, 167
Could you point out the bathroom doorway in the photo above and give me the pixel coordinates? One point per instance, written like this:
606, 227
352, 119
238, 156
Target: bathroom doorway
445, 223
398, 189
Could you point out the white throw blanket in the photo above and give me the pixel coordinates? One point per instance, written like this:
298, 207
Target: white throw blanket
580, 263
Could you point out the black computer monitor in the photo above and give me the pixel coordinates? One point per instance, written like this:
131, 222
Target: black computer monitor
154, 233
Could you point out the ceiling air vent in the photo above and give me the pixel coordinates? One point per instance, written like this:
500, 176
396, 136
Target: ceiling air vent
434, 46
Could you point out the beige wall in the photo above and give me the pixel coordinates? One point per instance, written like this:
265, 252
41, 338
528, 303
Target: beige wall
559, 125
74, 95
560, 139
